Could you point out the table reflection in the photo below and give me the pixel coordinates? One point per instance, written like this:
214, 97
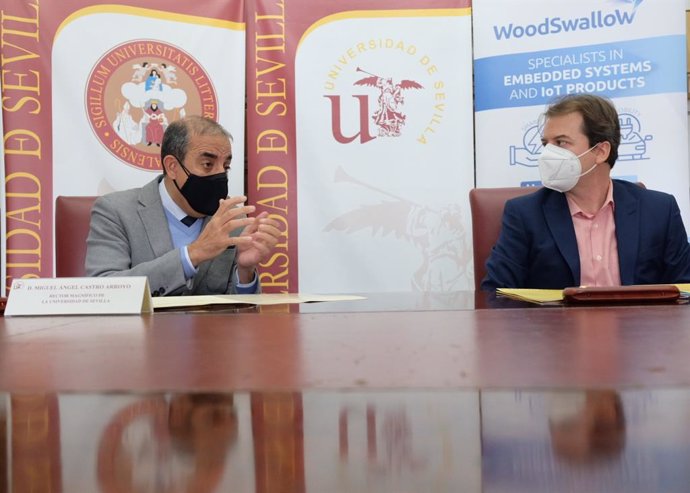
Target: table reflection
178, 443
587, 426
436, 441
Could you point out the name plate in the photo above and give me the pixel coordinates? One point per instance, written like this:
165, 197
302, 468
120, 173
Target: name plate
79, 296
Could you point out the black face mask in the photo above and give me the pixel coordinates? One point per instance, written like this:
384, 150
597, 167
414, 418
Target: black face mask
203, 193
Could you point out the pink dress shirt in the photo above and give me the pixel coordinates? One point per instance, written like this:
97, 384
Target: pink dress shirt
596, 243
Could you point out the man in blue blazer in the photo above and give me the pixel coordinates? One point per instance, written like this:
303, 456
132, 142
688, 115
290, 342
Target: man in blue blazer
583, 228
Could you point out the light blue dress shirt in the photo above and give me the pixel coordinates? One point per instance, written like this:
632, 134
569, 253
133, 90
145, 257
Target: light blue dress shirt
183, 235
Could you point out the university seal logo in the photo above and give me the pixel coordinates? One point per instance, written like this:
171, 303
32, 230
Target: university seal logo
384, 89
388, 117
136, 89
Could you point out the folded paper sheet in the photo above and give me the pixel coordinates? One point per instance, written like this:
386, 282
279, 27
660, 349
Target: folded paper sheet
250, 299
539, 296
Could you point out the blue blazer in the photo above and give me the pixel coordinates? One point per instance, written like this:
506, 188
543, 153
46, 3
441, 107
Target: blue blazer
537, 246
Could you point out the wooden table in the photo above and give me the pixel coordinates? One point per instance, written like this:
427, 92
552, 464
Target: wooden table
477, 349
297, 399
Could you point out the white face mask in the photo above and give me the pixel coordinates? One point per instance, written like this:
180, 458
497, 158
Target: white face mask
560, 169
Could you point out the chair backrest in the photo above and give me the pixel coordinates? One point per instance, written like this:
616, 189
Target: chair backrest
487, 205
72, 220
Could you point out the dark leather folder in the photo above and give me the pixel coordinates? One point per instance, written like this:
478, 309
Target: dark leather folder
649, 293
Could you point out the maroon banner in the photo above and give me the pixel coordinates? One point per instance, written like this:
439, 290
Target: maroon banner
25, 63
271, 136
274, 30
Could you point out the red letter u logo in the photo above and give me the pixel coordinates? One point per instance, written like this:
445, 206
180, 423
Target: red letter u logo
363, 134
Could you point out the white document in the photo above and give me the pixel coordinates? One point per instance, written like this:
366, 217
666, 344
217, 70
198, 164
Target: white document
250, 299
79, 296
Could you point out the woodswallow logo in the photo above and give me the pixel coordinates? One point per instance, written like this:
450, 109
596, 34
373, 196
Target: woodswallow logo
596, 19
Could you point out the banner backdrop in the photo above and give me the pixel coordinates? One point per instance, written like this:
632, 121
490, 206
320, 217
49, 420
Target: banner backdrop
360, 132
632, 51
88, 89
3, 223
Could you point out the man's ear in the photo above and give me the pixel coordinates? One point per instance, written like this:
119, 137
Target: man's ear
602, 151
170, 165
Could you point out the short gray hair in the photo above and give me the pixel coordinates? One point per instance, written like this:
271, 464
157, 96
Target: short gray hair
177, 135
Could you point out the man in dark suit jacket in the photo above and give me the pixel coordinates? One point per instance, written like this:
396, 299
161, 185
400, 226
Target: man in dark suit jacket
583, 227
182, 230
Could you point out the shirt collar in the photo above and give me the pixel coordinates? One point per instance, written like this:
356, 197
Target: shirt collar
575, 209
169, 204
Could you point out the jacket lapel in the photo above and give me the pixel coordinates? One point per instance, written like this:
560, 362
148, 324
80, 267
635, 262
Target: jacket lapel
153, 218
627, 231
557, 215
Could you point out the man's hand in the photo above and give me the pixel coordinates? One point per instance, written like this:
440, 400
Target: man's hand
215, 237
264, 234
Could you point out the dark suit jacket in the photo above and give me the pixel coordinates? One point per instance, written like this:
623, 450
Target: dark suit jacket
537, 247
130, 236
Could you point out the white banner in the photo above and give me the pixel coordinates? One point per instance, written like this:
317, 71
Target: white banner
385, 152
88, 90
632, 51
145, 69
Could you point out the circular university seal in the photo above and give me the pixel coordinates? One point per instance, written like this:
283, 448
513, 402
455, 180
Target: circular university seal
136, 89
